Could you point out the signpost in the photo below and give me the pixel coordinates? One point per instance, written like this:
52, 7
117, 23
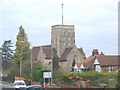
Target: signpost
47, 75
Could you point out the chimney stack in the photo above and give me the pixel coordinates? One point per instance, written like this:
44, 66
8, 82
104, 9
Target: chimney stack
95, 52
102, 53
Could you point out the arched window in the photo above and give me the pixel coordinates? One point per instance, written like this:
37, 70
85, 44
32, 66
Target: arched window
75, 57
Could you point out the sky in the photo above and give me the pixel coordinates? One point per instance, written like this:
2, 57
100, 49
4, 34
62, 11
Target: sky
96, 22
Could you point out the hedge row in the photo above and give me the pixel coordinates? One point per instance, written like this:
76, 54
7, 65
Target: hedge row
38, 74
93, 77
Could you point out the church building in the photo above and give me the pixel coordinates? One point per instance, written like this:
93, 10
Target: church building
62, 46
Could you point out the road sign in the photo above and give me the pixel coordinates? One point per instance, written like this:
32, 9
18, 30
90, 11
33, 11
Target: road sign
47, 75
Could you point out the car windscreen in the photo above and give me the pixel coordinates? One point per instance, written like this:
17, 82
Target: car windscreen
19, 83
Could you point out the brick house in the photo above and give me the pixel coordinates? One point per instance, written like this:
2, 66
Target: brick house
100, 62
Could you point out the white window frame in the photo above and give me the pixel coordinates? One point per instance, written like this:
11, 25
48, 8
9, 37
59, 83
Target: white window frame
98, 68
111, 68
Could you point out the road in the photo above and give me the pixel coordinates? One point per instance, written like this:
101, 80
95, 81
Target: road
5, 85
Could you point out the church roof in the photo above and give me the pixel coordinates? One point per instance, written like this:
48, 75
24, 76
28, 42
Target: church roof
47, 51
65, 53
35, 51
81, 51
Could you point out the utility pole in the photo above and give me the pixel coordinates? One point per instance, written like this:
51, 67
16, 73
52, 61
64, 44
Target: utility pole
51, 66
20, 66
31, 65
21, 58
0, 67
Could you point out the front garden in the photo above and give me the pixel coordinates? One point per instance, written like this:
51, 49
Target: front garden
100, 79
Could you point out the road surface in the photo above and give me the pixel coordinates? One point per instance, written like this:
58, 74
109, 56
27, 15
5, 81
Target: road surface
5, 85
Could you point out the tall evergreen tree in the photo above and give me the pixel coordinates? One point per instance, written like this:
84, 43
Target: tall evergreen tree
73, 64
7, 52
55, 63
22, 51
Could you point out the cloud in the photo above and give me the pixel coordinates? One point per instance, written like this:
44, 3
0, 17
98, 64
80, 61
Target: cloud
94, 20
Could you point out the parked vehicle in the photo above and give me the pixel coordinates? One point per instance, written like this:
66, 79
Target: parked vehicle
33, 87
19, 84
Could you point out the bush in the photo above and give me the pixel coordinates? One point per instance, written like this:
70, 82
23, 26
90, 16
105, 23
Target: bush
112, 83
96, 78
38, 74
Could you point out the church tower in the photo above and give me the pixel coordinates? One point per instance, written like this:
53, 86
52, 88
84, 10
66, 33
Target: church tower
62, 36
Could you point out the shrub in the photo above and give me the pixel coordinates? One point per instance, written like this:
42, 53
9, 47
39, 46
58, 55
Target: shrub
96, 78
38, 74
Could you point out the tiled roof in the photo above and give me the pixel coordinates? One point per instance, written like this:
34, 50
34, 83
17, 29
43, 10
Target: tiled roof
65, 53
35, 51
81, 51
46, 46
88, 61
104, 60
46, 50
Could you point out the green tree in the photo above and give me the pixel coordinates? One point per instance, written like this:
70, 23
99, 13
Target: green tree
13, 71
22, 51
73, 64
55, 63
27, 68
56, 70
7, 52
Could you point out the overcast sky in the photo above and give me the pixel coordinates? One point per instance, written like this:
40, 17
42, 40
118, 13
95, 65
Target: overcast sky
96, 22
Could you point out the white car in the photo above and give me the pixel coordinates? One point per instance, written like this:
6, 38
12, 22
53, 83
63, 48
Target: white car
19, 84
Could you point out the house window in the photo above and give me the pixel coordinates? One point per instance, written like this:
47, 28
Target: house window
98, 68
111, 68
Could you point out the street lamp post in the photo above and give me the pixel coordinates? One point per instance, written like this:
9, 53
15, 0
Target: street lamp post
21, 60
